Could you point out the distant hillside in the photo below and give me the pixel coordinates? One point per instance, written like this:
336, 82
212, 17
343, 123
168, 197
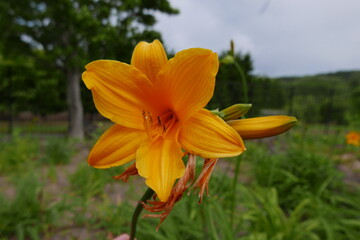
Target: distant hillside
325, 98
345, 75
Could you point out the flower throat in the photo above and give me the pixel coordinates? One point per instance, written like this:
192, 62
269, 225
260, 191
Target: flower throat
159, 126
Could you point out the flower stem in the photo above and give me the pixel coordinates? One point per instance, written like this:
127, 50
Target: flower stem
243, 80
235, 183
147, 195
211, 222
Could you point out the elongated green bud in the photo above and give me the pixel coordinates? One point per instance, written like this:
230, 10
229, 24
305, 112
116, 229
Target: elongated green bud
218, 113
235, 111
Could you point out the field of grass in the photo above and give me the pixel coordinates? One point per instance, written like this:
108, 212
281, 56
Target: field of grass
302, 185
35, 127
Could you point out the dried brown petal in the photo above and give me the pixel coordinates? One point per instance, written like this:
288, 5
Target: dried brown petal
130, 171
203, 180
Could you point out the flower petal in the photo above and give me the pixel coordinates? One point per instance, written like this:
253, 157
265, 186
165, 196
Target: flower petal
188, 81
115, 147
160, 162
209, 136
120, 91
149, 58
261, 127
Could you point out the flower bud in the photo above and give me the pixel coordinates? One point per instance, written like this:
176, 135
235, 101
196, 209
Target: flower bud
235, 111
232, 48
228, 59
261, 127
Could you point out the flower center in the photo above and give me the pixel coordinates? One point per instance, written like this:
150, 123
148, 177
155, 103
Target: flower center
159, 126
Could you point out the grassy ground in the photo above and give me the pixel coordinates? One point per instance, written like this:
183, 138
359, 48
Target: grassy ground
302, 185
49, 127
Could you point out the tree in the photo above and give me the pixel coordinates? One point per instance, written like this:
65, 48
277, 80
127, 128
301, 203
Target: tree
63, 35
228, 89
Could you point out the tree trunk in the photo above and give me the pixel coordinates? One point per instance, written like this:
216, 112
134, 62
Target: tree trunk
75, 107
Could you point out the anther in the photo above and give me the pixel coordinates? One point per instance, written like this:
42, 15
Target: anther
159, 121
164, 129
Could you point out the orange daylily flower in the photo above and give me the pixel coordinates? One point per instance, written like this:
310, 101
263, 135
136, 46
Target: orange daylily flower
157, 106
353, 138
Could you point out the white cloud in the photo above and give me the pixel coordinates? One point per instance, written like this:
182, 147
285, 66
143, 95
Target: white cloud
283, 36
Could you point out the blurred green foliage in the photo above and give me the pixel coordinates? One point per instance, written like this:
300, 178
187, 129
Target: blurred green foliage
325, 98
58, 151
46, 44
290, 187
29, 214
43, 41
88, 182
18, 153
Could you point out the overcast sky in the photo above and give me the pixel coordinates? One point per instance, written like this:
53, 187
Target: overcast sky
284, 37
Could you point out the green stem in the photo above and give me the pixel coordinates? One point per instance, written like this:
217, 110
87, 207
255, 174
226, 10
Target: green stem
147, 195
237, 166
243, 80
235, 182
211, 221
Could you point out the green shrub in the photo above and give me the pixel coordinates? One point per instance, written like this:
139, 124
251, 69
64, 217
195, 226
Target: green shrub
88, 182
18, 153
297, 174
58, 151
28, 215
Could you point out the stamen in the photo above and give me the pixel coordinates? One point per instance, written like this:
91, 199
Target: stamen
148, 123
164, 122
164, 129
168, 120
159, 121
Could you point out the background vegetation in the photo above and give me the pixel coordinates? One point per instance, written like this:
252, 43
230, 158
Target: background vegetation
302, 185
332, 98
